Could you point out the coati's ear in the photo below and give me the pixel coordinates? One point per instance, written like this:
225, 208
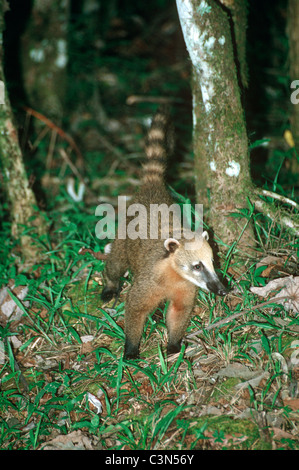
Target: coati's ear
205, 235
171, 244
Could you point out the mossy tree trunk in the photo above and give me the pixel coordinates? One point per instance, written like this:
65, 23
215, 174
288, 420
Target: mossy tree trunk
221, 155
293, 34
22, 202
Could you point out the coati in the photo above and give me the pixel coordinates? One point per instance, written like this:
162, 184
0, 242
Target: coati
163, 269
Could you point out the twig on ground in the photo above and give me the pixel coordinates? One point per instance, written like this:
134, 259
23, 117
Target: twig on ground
279, 197
285, 218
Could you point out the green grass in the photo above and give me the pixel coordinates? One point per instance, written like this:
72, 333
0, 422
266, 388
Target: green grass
181, 402
157, 402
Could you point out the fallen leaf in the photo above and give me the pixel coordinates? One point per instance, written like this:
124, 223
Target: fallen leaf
293, 403
75, 440
95, 402
8, 307
271, 263
287, 295
273, 260
239, 370
86, 346
86, 338
281, 434
254, 382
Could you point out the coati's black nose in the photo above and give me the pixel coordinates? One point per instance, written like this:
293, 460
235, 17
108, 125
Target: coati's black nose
222, 291
217, 288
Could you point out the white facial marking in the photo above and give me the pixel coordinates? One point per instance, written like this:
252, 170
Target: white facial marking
201, 284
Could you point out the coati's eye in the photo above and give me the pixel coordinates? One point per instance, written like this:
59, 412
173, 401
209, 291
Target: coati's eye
198, 266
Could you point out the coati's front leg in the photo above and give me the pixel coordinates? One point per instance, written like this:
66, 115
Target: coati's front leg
140, 302
177, 319
116, 266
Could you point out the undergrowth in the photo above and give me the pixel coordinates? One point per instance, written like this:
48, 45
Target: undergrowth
64, 382
233, 386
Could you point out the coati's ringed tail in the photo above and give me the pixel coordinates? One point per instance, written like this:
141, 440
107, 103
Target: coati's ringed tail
157, 147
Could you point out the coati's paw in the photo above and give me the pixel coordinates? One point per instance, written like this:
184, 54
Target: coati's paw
173, 348
131, 351
108, 294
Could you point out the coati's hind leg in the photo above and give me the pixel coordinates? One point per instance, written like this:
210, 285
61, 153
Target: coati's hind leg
139, 304
177, 320
116, 266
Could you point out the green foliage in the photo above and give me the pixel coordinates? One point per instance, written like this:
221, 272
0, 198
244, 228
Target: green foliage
148, 403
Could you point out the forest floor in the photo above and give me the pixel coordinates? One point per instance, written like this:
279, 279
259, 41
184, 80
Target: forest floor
64, 383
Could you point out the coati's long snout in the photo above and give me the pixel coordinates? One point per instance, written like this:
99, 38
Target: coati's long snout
214, 285
163, 269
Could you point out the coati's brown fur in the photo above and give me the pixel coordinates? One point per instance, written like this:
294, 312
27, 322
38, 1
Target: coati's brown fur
162, 269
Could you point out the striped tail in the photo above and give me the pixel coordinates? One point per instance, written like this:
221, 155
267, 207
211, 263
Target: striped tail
157, 148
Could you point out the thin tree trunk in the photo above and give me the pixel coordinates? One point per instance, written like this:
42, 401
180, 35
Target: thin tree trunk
23, 206
293, 34
220, 139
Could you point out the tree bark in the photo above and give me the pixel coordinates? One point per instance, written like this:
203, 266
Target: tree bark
293, 34
23, 205
220, 140
238, 12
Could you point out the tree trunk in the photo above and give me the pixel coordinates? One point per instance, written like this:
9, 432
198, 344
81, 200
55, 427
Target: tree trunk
23, 206
293, 34
220, 139
45, 57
